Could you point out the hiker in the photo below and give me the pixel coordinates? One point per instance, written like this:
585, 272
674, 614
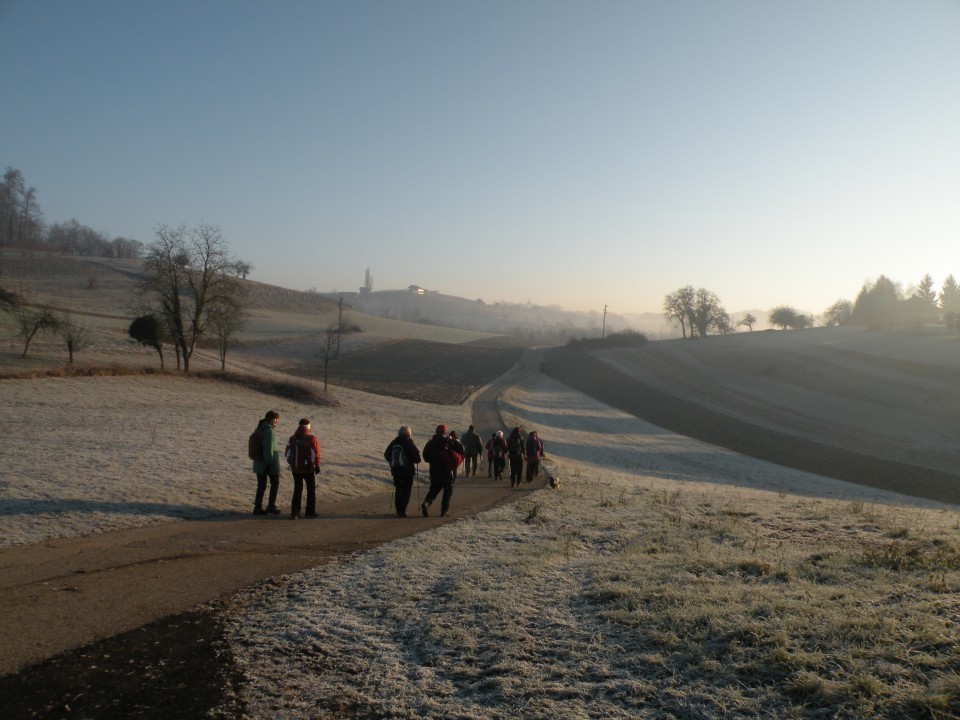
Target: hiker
473, 450
497, 447
303, 454
534, 455
489, 447
441, 478
454, 443
403, 467
515, 455
268, 465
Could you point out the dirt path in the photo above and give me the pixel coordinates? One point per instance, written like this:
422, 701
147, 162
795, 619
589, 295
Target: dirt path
63, 594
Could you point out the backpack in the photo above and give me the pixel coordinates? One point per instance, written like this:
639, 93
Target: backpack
398, 458
499, 448
450, 457
515, 446
298, 455
255, 445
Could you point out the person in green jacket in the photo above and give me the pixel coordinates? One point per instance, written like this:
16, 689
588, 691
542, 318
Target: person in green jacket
268, 465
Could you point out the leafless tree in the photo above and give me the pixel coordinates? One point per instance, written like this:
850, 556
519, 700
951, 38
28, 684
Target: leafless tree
838, 313
190, 273
678, 307
707, 313
31, 321
76, 336
747, 321
228, 315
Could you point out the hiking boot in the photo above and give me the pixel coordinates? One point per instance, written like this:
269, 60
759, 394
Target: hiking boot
273, 510
423, 509
259, 511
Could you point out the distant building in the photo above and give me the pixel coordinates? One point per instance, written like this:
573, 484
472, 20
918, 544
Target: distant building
417, 290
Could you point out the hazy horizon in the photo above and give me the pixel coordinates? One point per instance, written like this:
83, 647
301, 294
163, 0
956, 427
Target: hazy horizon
564, 153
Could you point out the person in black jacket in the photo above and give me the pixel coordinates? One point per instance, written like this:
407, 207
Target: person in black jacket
403, 466
441, 479
473, 451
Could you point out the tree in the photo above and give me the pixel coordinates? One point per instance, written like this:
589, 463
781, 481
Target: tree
149, 330
707, 313
949, 303
747, 320
77, 337
877, 305
228, 315
838, 314
189, 274
784, 317
678, 307
31, 321
242, 269
8, 300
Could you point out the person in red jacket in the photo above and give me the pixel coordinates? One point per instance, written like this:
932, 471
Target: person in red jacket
303, 454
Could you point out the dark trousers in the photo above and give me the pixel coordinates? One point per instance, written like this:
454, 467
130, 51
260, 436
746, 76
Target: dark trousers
403, 482
489, 464
298, 480
262, 488
533, 469
499, 463
516, 469
470, 461
440, 480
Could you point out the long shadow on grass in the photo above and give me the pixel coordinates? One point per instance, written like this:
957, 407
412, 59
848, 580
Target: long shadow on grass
22, 506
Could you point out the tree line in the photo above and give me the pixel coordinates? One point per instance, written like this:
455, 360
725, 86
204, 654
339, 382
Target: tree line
22, 226
881, 304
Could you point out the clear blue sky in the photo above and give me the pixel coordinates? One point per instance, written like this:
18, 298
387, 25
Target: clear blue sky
572, 153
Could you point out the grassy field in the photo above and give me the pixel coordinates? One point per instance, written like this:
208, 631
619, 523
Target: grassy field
688, 591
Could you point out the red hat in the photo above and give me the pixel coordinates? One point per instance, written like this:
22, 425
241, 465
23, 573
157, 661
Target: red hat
442, 429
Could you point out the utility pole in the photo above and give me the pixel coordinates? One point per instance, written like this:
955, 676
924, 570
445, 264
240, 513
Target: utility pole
340, 324
603, 328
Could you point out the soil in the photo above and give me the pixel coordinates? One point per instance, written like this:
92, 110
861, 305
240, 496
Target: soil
433, 372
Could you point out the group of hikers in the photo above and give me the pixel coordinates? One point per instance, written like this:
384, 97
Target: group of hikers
445, 453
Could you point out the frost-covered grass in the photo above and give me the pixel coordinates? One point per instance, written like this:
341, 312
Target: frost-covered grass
91, 454
626, 594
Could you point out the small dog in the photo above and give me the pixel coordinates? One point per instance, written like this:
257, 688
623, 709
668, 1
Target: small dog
555, 482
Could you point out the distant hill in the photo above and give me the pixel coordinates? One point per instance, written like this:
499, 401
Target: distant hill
536, 322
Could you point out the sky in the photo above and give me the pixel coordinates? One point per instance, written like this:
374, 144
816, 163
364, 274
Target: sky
581, 154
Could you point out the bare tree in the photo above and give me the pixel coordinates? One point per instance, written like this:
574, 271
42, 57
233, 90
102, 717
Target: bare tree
678, 307
189, 273
707, 313
77, 337
242, 269
838, 314
747, 321
31, 321
784, 316
228, 315
150, 331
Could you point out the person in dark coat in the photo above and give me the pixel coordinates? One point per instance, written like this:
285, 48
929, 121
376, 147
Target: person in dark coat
489, 447
534, 455
405, 468
473, 449
268, 465
441, 479
305, 465
456, 444
497, 447
515, 450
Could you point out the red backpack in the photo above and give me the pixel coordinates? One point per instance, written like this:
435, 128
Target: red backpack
450, 457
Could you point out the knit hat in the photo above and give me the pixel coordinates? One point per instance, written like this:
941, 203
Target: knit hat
441, 429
